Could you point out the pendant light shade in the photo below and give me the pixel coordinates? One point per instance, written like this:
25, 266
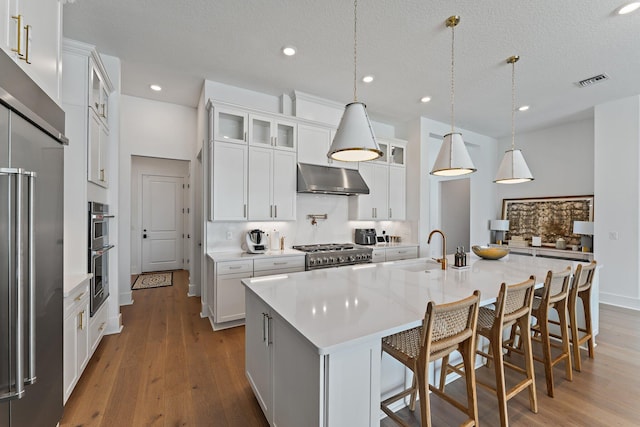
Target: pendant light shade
453, 158
513, 169
354, 140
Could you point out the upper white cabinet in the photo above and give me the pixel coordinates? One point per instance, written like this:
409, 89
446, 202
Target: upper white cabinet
230, 124
266, 131
86, 89
229, 187
386, 178
32, 36
253, 165
272, 184
314, 142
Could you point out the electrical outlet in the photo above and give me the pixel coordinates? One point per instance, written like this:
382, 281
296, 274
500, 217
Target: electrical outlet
229, 235
613, 235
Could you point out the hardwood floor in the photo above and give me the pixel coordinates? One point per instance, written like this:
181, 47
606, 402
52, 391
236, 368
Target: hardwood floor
168, 368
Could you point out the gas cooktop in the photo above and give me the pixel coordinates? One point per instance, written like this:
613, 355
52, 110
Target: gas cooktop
334, 255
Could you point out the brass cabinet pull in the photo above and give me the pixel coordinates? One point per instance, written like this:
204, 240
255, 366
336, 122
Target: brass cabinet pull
27, 28
81, 325
102, 175
18, 50
79, 297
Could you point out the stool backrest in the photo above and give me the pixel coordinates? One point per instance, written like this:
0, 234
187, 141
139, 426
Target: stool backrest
447, 325
583, 277
556, 286
514, 301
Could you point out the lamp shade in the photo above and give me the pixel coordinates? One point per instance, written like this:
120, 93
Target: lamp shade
583, 227
354, 140
513, 169
500, 224
453, 158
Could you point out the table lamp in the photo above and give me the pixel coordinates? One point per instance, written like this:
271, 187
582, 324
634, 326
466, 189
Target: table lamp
585, 229
499, 226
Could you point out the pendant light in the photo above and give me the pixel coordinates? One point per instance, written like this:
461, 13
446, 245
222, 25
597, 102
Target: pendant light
513, 169
354, 140
453, 158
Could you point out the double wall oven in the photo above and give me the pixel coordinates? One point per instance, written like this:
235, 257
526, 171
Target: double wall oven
99, 254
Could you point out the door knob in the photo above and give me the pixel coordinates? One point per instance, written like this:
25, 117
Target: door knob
144, 235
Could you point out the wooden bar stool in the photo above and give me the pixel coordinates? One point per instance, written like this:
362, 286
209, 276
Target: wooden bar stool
445, 328
513, 307
553, 296
581, 289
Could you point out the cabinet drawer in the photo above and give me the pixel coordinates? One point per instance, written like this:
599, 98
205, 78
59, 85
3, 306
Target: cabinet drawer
401, 253
378, 255
75, 299
281, 263
97, 326
234, 267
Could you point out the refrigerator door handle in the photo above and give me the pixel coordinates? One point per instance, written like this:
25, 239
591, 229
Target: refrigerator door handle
30, 375
17, 383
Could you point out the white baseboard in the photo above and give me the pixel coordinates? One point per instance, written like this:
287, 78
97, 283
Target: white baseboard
619, 301
194, 290
114, 325
125, 298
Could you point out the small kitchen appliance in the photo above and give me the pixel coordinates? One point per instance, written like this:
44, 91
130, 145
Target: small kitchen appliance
256, 242
365, 236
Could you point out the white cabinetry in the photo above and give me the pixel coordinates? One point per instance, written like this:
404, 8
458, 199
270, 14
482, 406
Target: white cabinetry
253, 162
226, 295
394, 253
229, 185
272, 184
86, 86
97, 325
283, 369
314, 141
386, 179
32, 36
75, 337
266, 131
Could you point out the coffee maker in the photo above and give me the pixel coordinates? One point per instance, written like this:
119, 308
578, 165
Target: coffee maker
256, 242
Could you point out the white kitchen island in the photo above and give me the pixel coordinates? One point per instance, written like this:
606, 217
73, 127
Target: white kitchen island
313, 339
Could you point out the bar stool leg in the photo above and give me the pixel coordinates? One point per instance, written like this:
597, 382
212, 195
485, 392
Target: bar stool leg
501, 388
523, 322
468, 358
575, 336
586, 302
561, 308
425, 404
546, 352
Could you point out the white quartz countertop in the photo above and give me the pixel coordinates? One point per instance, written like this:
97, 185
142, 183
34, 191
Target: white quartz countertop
337, 307
72, 281
239, 255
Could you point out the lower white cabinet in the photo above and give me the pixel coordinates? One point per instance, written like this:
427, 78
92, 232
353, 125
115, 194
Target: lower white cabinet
97, 326
283, 369
226, 294
75, 338
394, 253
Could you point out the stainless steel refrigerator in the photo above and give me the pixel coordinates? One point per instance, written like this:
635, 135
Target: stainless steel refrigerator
31, 225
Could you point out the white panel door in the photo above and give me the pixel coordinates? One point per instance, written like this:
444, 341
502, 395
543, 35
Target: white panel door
260, 172
162, 223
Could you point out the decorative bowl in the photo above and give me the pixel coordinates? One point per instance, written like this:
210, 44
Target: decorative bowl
488, 252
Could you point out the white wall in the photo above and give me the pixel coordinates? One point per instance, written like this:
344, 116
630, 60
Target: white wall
152, 129
617, 189
560, 159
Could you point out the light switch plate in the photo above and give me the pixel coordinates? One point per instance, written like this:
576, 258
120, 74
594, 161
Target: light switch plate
613, 235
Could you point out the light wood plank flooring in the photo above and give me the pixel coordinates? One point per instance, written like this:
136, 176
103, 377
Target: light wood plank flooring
168, 368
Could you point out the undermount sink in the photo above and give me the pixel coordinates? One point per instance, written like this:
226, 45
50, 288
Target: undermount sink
421, 266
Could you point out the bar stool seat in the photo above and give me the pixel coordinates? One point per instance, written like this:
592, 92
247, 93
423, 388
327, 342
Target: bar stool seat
445, 329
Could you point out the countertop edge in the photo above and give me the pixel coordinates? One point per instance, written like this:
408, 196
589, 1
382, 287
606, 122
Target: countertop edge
73, 281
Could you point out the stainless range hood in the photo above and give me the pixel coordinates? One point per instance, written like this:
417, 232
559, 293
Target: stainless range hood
329, 180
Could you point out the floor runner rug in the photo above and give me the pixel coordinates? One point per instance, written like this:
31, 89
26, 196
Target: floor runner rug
153, 280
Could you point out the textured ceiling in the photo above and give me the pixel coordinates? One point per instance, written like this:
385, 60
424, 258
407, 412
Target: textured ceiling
403, 43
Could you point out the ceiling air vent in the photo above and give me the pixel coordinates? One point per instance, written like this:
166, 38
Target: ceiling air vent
592, 80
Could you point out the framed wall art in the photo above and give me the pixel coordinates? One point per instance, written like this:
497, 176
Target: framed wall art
548, 217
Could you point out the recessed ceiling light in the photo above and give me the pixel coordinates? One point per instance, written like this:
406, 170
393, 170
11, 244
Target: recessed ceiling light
367, 79
289, 50
156, 88
425, 99
628, 8
523, 108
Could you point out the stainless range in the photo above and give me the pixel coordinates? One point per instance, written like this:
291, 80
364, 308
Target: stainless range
334, 255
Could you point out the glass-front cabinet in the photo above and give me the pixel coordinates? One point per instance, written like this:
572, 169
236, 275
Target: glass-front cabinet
230, 125
393, 151
276, 133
